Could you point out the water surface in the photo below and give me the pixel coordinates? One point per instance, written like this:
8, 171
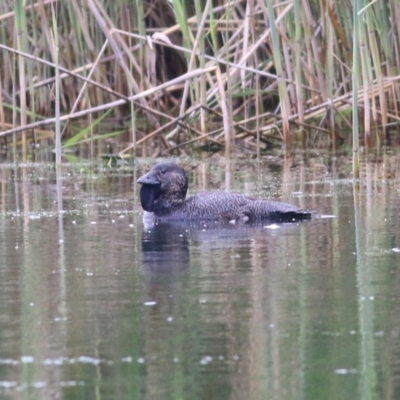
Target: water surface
95, 305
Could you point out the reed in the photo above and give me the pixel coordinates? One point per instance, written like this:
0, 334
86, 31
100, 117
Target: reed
20, 37
355, 83
299, 68
56, 51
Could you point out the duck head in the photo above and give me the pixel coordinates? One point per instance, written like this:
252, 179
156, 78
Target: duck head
165, 185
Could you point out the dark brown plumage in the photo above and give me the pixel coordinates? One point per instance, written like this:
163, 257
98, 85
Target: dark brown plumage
163, 193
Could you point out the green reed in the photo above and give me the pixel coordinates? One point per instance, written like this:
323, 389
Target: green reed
20, 37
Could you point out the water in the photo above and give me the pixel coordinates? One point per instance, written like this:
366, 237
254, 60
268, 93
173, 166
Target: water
95, 305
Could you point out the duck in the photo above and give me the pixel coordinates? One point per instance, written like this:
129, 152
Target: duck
163, 198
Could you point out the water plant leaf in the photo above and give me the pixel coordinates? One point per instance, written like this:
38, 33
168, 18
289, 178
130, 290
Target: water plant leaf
101, 136
77, 138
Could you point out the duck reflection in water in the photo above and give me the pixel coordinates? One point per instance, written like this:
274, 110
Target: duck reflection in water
163, 197
166, 244
165, 247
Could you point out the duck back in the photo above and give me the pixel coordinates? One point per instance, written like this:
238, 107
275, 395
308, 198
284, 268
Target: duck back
236, 207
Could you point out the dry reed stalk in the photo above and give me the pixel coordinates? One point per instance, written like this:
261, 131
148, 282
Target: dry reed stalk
298, 68
201, 15
339, 103
106, 25
82, 91
237, 65
113, 104
64, 70
2, 116
225, 114
191, 64
373, 45
175, 121
55, 52
282, 89
314, 56
198, 139
355, 84
29, 7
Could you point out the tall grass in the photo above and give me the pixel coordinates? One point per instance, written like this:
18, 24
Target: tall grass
241, 72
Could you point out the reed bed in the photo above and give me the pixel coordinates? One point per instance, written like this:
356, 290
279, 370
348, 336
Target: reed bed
234, 75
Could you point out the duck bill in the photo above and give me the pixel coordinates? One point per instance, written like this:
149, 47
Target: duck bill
149, 179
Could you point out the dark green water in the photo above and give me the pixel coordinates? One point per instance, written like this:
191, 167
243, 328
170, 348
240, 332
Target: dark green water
93, 305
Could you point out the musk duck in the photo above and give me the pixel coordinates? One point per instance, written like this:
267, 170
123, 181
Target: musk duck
163, 194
